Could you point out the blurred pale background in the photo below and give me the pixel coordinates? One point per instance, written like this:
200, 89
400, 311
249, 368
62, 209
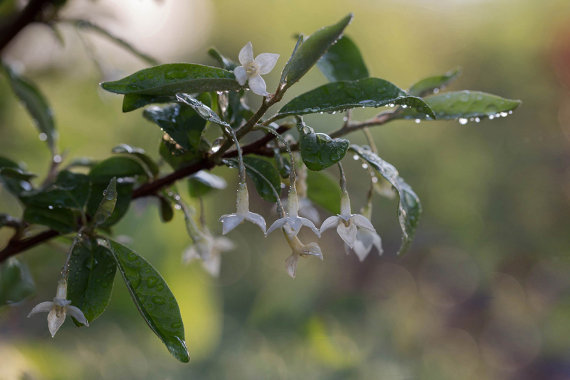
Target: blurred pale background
484, 292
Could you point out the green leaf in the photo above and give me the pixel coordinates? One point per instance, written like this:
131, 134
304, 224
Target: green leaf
37, 107
465, 105
323, 190
70, 190
430, 85
343, 61
339, 96
132, 102
91, 274
201, 109
9, 169
166, 210
180, 121
172, 78
409, 207
126, 170
225, 62
16, 282
178, 158
312, 48
318, 150
264, 175
9, 220
203, 182
141, 155
153, 299
63, 220
107, 205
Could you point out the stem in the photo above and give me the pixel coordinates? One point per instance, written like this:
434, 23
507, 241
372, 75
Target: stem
292, 175
28, 15
380, 119
370, 140
234, 138
342, 178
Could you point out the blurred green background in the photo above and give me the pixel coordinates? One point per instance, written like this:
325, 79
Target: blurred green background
484, 292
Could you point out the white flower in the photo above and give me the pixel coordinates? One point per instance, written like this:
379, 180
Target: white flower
365, 239
347, 224
299, 249
252, 69
231, 221
58, 309
293, 222
209, 248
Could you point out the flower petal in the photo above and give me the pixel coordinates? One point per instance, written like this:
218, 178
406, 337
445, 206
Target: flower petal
229, 222
257, 85
42, 307
378, 244
213, 264
222, 244
76, 313
313, 249
347, 233
55, 320
241, 75
329, 222
306, 222
246, 54
256, 219
291, 264
190, 254
266, 62
277, 224
362, 222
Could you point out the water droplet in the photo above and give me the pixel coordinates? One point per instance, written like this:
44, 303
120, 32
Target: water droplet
355, 157
417, 121
510, 112
177, 206
435, 90
477, 120
463, 121
404, 106
43, 136
57, 158
375, 179
491, 117
504, 114
50, 207
364, 166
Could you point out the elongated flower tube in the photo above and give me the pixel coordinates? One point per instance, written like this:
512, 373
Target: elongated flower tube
231, 221
58, 309
346, 223
299, 250
292, 223
252, 69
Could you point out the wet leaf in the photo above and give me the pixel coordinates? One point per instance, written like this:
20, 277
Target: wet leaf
340, 96
172, 78
324, 190
63, 220
430, 85
409, 207
91, 275
312, 48
166, 210
343, 61
318, 150
140, 154
153, 299
180, 121
16, 282
132, 102
37, 107
70, 190
107, 205
264, 175
15, 186
203, 182
127, 171
201, 109
465, 105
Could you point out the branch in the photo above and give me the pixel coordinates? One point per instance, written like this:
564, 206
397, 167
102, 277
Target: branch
349, 127
28, 15
16, 246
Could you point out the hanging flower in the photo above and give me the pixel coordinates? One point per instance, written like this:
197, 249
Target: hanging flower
231, 221
299, 250
365, 239
209, 249
292, 223
347, 224
252, 69
58, 309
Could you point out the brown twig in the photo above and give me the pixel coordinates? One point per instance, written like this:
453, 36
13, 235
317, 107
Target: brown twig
28, 15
